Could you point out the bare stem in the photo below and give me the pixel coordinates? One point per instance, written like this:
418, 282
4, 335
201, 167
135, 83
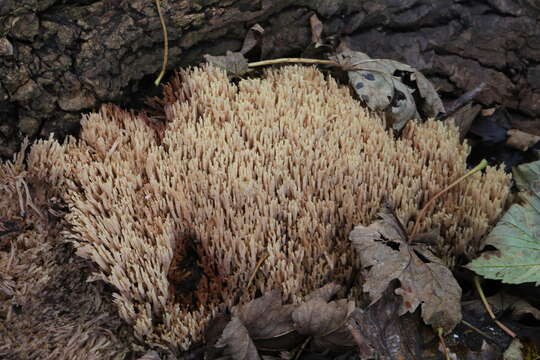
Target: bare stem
482, 333
488, 308
443, 343
165, 45
251, 278
422, 213
290, 60
257, 267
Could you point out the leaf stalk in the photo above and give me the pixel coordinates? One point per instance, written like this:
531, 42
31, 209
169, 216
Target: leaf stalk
483, 164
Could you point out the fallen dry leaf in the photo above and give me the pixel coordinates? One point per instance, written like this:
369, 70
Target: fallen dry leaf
386, 255
237, 342
464, 117
265, 317
390, 86
325, 322
326, 292
316, 30
253, 37
503, 302
385, 332
521, 140
267, 321
233, 62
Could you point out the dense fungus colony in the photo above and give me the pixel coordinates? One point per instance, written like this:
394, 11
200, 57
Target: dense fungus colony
47, 308
273, 171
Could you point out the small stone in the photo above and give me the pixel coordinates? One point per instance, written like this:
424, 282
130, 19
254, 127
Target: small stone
28, 125
6, 48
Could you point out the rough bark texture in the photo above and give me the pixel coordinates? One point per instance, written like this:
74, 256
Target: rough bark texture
59, 58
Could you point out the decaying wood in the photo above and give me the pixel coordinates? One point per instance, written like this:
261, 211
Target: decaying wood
58, 59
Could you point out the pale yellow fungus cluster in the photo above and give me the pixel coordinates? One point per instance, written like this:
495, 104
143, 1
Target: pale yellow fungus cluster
278, 169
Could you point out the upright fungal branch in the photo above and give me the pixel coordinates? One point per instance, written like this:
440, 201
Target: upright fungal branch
279, 168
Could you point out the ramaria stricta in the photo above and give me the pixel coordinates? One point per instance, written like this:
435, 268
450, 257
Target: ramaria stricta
278, 169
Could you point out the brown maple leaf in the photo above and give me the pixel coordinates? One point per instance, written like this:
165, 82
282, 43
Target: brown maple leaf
385, 254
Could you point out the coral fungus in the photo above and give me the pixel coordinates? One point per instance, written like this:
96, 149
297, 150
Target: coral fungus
278, 169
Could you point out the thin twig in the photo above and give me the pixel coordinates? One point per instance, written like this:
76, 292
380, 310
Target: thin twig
165, 44
239, 294
301, 350
482, 333
463, 100
291, 60
259, 264
357, 66
488, 308
422, 213
443, 343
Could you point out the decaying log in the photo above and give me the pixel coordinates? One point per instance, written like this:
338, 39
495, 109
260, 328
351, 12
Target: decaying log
60, 58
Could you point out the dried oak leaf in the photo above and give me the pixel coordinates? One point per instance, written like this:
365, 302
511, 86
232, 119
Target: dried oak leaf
233, 62
237, 342
269, 322
325, 322
386, 255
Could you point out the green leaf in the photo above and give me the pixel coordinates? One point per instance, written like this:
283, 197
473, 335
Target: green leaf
516, 236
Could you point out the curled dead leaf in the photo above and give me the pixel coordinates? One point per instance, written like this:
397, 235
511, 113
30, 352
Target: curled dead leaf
252, 39
316, 30
390, 86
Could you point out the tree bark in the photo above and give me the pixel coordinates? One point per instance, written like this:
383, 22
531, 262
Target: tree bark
60, 58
